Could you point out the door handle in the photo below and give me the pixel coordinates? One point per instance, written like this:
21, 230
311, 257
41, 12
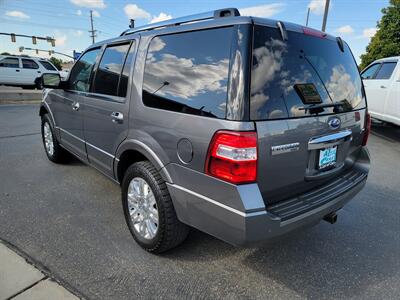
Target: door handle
39, 72
117, 117
17, 70
383, 87
75, 106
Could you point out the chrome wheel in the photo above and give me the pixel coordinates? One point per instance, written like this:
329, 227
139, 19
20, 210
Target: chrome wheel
142, 208
48, 139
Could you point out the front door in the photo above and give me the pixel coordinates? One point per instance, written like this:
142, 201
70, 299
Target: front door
69, 104
9, 70
107, 106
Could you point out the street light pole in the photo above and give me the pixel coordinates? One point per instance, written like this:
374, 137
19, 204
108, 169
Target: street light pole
325, 15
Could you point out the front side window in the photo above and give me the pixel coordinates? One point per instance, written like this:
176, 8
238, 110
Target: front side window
9, 62
188, 72
287, 76
385, 72
79, 79
370, 72
109, 71
47, 65
29, 64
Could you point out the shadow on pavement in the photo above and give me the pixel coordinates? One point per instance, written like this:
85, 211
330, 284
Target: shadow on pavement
388, 132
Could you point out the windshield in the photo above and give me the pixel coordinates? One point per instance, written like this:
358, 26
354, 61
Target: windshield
288, 76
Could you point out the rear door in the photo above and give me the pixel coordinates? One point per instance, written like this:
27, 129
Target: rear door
301, 147
106, 106
10, 70
30, 71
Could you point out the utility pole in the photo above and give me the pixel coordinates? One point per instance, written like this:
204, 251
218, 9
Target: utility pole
308, 16
325, 15
92, 32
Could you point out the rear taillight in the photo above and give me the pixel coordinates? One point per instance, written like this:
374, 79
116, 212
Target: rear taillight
232, 156
367, 128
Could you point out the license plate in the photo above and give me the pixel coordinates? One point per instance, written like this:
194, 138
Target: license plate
327, 157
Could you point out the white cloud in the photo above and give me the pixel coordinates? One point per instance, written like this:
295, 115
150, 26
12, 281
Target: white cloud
78, 33
264, 11
60, 38
135, 12
161, 17
347, 29
369, 32
96, 14
89, 3
17, 14
317, 6
79, 12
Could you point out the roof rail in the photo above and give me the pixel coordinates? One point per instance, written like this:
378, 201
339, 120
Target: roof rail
220, 13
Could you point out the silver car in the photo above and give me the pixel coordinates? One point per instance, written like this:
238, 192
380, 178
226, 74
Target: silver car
242, 127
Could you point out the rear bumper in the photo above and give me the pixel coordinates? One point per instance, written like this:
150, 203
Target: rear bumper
252, 223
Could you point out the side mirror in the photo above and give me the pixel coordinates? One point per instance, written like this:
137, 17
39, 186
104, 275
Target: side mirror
51, 80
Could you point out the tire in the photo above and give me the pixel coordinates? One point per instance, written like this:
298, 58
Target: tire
39, 84
53, 150
170, 232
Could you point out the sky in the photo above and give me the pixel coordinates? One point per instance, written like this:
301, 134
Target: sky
68, 21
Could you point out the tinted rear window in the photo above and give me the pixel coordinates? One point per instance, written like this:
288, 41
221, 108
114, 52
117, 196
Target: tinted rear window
188, 72
47, 65
278, 66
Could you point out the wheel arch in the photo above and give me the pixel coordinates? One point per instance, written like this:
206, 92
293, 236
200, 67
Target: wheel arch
132, 151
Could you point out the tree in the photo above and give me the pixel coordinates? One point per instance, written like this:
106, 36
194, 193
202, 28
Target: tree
386, 41
56, 62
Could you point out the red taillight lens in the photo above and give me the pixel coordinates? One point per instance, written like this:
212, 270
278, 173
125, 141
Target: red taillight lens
232, 156
367, 129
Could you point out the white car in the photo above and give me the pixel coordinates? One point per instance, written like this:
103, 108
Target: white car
24, 71
382, 85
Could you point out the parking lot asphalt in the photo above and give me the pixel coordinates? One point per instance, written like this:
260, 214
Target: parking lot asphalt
69, 219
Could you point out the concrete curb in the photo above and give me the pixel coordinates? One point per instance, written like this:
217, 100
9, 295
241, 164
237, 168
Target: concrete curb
40, 284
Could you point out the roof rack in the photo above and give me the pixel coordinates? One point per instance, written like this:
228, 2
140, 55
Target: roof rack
220, 13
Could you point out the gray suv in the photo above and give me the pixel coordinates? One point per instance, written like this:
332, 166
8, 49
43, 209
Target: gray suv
242, 127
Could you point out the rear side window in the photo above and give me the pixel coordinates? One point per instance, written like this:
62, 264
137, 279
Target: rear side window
109, 70
47, 65
188, 72
385, 72
370, 72
79, 79
281, 70
9, 63
29, 64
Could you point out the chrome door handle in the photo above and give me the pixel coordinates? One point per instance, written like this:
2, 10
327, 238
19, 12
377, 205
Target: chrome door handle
117, 117
75, 106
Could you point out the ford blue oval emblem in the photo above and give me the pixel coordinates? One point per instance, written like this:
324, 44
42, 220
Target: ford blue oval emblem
334, 123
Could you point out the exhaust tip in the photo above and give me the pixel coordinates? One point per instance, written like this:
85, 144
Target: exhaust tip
331, 218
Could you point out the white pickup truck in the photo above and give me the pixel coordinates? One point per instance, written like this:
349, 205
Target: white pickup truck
382, 85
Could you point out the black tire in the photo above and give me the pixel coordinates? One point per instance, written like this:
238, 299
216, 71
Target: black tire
39, 83
59, 154
171, 232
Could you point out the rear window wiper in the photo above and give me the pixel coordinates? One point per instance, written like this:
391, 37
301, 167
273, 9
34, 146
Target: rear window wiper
318, 108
